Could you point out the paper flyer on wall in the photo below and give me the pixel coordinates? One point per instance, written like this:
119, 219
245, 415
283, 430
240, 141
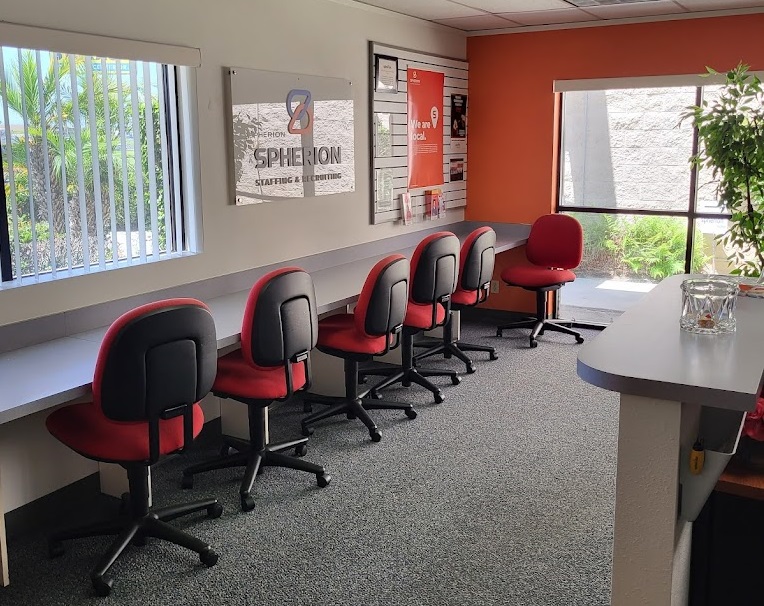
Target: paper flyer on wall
434, 207
458, 124
406, 213
457, 169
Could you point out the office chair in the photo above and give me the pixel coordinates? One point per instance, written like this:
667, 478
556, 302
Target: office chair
278, 332
473, 287
373, 329
434, 267
555, 246
154, 365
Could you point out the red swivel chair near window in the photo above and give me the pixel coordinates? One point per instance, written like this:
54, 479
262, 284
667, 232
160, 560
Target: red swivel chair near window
477, 259
154, 365
373, 329
279, 330
434, 268
555, 246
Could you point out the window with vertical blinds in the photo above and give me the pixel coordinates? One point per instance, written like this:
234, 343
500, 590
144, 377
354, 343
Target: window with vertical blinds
91, 171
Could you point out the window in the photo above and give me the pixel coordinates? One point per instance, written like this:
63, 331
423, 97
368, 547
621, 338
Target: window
91, 166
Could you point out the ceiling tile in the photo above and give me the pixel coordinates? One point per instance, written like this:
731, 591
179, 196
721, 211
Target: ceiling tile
718, 5
572, 15
478, 23
515, 6
426, 9
636, 9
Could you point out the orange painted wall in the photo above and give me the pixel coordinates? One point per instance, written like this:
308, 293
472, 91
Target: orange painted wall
512, 107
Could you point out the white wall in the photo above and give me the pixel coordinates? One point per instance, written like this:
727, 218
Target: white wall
320, 37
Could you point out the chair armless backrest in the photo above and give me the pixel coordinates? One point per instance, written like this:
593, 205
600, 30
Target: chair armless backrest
478, 256
555, 241
382, 304
434, 268
280, 325
156, 362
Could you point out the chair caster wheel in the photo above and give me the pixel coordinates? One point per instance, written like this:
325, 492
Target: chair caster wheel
499, 332
375, 435
55, 549
247, 502
307, 407
187, 482
300, 450
579, 339
323, 480
455, 379
225, 450
362, 380
307, 431
214, 511
439, 399
139, 540
493, 355
410, 413
471, 368
374, 395
350, 416
534, 343
124, 505
209, 557
541, 333
102, 586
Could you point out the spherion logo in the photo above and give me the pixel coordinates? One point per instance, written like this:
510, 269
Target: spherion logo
303, 110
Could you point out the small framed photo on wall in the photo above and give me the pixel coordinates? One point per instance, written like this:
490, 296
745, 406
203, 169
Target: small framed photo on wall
385, 74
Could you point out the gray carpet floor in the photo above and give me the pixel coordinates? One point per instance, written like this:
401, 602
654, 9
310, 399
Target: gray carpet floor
503, 494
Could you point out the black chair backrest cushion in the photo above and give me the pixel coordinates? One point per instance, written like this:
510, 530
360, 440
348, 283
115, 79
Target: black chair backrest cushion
478, 262
434, 268
384, 308
155, 358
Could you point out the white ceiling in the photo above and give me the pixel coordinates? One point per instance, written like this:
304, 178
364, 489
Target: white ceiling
481, 15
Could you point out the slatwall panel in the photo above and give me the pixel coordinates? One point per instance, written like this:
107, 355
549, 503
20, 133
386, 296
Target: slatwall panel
395, 104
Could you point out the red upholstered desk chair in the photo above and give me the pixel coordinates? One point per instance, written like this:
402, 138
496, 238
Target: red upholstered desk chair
434, 268
555, 246
155, 363
279, 330
477, 259
372, 330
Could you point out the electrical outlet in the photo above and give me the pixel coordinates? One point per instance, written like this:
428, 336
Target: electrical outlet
494, 286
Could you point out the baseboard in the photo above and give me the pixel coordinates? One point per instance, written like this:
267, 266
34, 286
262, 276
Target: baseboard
82, 500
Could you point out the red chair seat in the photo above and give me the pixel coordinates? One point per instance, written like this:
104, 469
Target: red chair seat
465, 297
533, 276
339, 333
85, 429
237, 377
420, 316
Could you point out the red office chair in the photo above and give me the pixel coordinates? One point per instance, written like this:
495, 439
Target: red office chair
475, 272
372, 330
555, 246
155, 363
434, 268
278, 332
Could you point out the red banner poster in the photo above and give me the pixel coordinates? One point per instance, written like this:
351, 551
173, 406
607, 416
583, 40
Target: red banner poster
425, 128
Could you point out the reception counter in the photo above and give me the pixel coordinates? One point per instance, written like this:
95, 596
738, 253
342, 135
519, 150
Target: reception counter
675, 387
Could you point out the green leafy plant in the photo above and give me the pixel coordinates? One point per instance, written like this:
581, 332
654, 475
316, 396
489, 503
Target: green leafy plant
731, 133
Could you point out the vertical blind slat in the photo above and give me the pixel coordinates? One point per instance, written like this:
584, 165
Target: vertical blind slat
123, 153
95, 158
62, 153
31, 173
109, 159
174, 139
139, 203
166, 194
11, 173
41, 93
150, 152
77, 120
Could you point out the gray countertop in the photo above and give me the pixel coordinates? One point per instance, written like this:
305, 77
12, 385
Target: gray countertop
645, 353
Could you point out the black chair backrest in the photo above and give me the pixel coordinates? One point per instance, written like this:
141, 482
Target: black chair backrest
382, 304
478, 259
155, 359
281, 321
434, 268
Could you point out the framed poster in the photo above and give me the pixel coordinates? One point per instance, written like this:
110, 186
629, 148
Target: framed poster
383, 138
292, 136
425, 128
459, 124
456, 166
385, 74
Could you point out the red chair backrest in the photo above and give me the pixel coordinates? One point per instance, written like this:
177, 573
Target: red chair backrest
382, 304
154, 358
555, 241
280, 320
434, 267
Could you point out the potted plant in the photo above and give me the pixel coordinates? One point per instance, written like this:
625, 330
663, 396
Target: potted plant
731, 137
